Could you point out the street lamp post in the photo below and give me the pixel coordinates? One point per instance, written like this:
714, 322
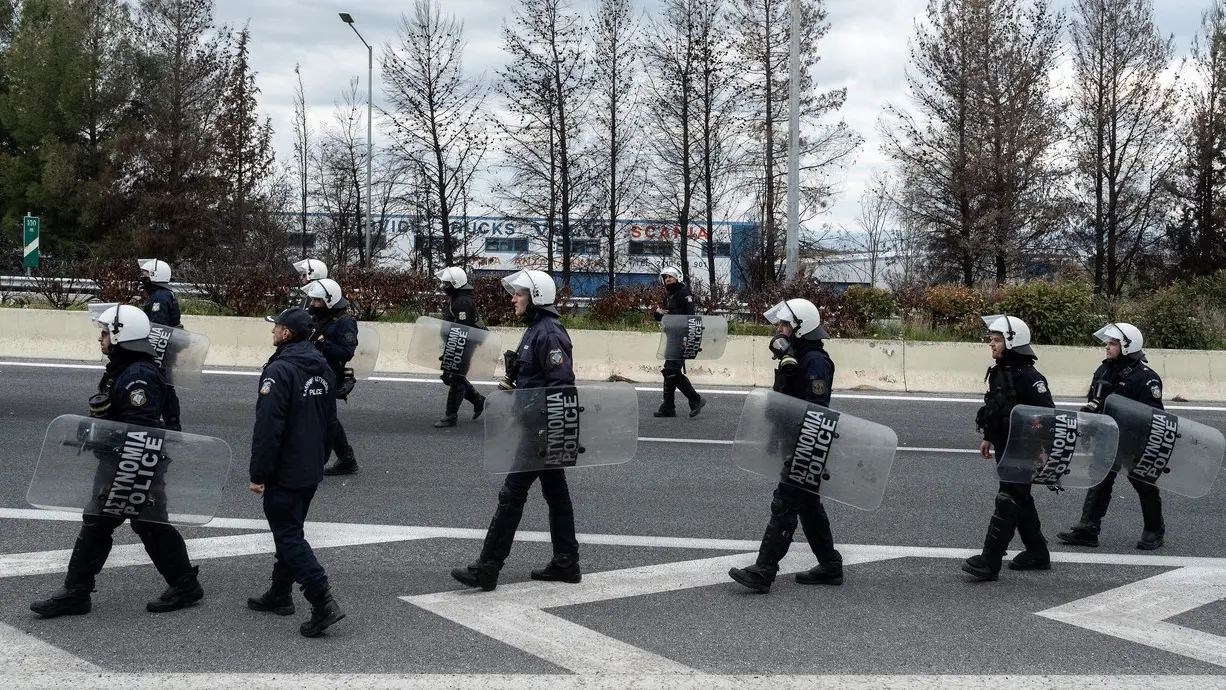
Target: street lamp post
793, 236
370, 147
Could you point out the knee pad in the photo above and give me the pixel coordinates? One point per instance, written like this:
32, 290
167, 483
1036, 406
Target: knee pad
1005, 502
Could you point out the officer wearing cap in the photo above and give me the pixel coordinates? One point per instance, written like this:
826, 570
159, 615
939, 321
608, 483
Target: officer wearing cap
162, 308
1012, 381
1124, 372
131, 392
293, 412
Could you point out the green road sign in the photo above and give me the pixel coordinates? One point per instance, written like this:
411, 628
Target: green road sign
31, 242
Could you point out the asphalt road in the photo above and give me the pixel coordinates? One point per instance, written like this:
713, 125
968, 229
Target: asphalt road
421, 502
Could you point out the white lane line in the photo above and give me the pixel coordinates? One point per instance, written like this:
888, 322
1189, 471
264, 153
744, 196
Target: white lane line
893, 397
296, 681
725, 442
1138, 612
22, 653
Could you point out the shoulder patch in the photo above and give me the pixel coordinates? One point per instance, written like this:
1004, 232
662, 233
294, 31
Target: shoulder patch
350, 338
138, 397
689, 298
1155, 389
461, 315
157, 306
266, 386
556, 357
819, 387
1040, 386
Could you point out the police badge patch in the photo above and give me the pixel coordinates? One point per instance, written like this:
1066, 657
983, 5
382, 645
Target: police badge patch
156, 307
556, 357
138, 397
350, 338
1155, 389
819, 387
266, 386
461, 315
1040, 386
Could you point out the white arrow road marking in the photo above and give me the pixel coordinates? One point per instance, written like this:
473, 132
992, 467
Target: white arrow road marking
515, 615
1137, 612
22, 653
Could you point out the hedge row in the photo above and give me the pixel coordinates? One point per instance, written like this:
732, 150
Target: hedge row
1188, 315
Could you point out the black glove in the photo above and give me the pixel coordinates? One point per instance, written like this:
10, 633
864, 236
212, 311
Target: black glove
781, 349
1098, 395
347, 383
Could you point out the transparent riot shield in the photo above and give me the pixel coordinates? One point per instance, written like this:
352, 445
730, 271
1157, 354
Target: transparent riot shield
112, 469
692, 337
178, 352
829, 453
534, 429
366, 355
454, 348
1168, 451
1064, 448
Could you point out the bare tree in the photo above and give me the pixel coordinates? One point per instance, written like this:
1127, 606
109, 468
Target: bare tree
1197, 238
546, 84
763, 39
437, 115
339, 162
1123, 134
875, 234
302, 152
615, 68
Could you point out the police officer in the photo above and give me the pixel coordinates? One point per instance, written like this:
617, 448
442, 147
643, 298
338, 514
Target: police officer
461, 308
805, 371
162, 308
131, 392
678, 300
1012, 381
308, 270
1124, 372
543, 360
293, 411
336, 336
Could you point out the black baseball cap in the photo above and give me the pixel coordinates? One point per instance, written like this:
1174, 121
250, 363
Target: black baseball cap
297, 320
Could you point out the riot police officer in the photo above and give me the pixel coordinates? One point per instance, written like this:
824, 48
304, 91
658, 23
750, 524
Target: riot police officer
308, 270
1012, 381
288, 447
336, 336
162, 308
805, 371
542, 361
461, 308
678, 300
131, 392
1124, 372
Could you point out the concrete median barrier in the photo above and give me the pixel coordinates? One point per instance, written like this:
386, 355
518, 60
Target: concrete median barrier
861, 364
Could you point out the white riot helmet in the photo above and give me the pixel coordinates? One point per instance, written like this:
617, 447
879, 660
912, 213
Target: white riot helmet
453, 275
158, 270
670, 271
128, 326
539, 285
325, 289
313, 269
1128, 335
805, 317
1015, 332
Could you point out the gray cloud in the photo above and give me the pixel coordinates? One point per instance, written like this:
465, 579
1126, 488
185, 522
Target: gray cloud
865, 51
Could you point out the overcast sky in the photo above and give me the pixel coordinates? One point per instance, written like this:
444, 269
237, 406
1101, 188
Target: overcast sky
865, 50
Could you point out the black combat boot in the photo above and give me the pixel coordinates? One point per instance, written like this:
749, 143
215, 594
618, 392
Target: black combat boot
1151, 513
1031, 560
563, 568
342, 464
1030, 529
754, 577
1150, 540
696, 406
979, 567
183, 592
829, 574
445, 422
69, 600
665, 411
478, 574
1078, 535
325, 612
279, 599
478, 405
